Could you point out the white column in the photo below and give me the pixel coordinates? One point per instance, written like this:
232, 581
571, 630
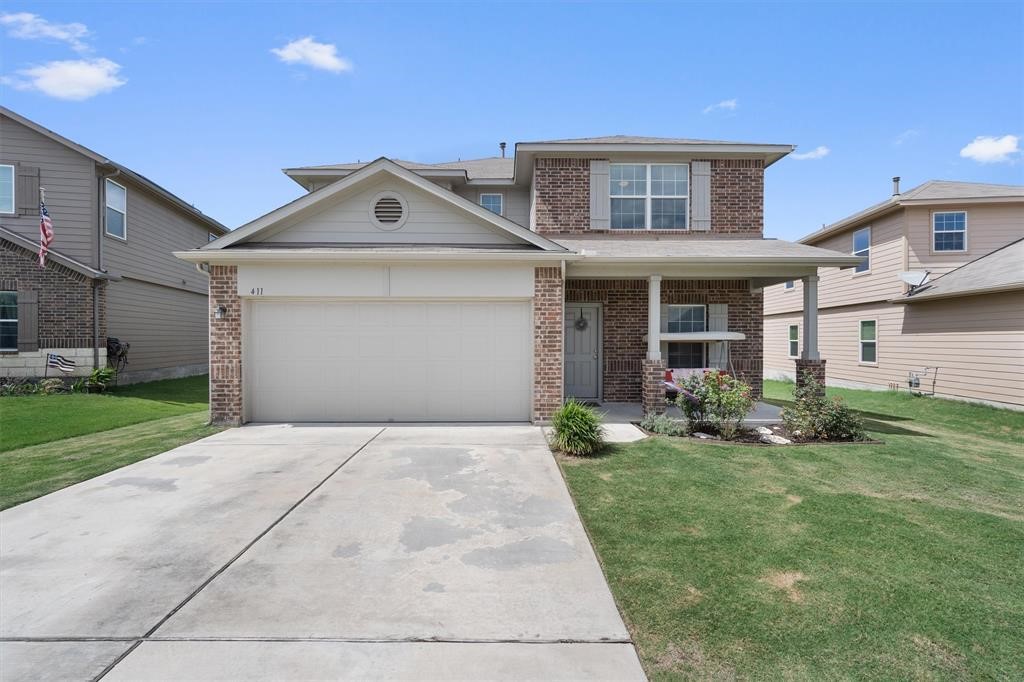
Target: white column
810, 351
654, 318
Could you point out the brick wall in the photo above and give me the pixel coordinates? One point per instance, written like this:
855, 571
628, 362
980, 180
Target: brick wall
815, 368
562, 195
624, 305
547, 342
65, 298
737, 197
225, 347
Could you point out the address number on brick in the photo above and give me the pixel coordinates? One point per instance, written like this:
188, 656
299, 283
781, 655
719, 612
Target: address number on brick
256, 291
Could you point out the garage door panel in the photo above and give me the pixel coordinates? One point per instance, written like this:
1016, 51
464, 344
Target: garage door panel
380, 361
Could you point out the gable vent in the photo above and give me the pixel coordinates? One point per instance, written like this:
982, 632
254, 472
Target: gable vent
388, 211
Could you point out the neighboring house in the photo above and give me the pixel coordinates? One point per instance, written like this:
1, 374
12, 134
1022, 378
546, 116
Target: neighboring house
962, 334
490, 290
110, 271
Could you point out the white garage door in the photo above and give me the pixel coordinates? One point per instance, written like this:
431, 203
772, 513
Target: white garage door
369, 361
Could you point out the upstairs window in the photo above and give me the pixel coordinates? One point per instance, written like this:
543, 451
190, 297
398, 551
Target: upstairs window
949, 231
684, 319
117, 210
794, 341
8, 320
493, 202
789, 284
649, 196
862, 248
6, 188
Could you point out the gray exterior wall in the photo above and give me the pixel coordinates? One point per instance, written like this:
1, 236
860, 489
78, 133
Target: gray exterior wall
517, 200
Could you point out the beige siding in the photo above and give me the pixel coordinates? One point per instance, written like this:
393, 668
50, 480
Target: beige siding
977, 342
166, 327
517, 201
989, 226
70, 182
347, 219
154, 231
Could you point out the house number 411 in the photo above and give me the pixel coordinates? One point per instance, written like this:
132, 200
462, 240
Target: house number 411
256, 291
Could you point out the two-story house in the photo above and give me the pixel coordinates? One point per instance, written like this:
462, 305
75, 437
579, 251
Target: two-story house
110, 271
960, 334
492, 289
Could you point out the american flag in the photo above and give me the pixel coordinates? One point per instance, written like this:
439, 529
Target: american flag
45, 232
60, 362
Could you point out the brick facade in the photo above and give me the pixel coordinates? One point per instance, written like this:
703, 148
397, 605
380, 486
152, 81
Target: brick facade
815, 368
65, 308
547, 342
225, 347
562, 195
653, 379
624, 308
737, 197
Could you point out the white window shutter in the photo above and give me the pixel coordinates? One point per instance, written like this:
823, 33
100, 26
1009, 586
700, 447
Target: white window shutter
700, 192
664, 318
600, 203
718, 317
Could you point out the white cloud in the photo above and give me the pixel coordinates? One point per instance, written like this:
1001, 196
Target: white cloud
819, 152
311, 53
989, 149
33, 27
724, 105
906, 136
75, 79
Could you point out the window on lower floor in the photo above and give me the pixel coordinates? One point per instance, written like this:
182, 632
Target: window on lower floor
794, 341
868, 341
949, 231
684, 319
685, 355
8, 320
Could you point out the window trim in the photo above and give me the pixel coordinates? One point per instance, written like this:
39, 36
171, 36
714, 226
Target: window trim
931, 242
15, 321
669, 307
791, 340
106, 205
649, 198
861, 342
14, 189
500, 195
853, 250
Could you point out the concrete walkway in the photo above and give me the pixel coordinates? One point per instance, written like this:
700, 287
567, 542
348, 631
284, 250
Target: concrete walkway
313, 552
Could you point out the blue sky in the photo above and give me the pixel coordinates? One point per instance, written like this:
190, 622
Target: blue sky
191, 94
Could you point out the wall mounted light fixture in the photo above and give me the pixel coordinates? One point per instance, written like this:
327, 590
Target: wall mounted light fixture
220, 312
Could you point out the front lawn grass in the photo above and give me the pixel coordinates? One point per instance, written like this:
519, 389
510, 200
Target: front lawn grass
895, 561
27, 473
33, 419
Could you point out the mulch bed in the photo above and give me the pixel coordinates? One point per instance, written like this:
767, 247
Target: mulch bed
751, 437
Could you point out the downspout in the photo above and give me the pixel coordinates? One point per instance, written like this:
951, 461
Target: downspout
101, 218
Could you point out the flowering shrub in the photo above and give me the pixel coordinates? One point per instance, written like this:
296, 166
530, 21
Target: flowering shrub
815, 417
714, 401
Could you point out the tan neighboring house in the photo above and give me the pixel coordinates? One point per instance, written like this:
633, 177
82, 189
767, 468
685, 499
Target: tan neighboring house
492, 289
960, 335
110, 271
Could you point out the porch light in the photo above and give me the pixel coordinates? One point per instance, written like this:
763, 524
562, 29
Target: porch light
220, 312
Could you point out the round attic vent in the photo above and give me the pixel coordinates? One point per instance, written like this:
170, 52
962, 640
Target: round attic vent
388, 211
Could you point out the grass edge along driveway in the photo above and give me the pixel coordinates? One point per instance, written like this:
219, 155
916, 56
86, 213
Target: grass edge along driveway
894, 561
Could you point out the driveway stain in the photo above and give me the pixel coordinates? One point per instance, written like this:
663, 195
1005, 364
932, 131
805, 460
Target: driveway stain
422, 533
530, 552
160, 485
347, 551
187, 460
433, 587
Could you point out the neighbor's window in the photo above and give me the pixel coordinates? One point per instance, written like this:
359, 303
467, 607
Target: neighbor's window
862, 248
868, 341
789, 284
6, 188
683, 319
649, 196
493, 202
794, 341
685, 355
117, 210
8, 320
949, 231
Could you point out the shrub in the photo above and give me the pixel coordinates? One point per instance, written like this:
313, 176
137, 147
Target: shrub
714, 401
17, 387
577, 429
663, 424
101, 379
50, 386
815, 417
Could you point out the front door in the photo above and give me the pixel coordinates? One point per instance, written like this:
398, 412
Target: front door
582, 350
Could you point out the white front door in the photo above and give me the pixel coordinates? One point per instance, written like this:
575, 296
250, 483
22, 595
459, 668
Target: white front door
582, 351
335, 361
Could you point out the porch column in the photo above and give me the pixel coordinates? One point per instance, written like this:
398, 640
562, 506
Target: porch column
653, 368
810, 361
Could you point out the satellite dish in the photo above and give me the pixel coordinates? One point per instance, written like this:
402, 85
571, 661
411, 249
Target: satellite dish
915, 278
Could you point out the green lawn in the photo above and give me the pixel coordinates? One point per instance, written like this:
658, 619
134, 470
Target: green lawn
895, 561
50, 442
28, 420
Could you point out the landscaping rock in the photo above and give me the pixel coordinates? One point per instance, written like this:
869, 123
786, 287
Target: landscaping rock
774, 440
705, 436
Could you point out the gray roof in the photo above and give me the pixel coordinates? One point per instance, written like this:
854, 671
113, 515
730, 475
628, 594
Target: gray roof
932, 190
1001, 270
688, 249
492, 167
632, 139
55, 256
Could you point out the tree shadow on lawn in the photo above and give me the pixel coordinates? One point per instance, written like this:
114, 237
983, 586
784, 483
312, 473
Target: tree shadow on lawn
873, 421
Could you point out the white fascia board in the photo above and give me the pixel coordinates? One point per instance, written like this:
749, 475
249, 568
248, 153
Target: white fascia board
963, 200
820, 261
233, 256
924, 298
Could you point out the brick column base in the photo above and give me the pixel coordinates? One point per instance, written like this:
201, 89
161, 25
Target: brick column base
816, 368
548, 299
225, 347
653, 386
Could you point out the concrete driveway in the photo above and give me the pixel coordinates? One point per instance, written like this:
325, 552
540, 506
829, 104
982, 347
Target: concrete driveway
313, 552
